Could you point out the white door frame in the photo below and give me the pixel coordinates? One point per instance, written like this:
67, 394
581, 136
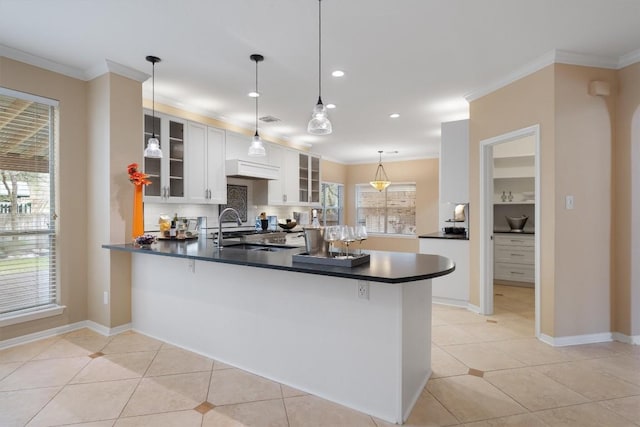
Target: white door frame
486, 218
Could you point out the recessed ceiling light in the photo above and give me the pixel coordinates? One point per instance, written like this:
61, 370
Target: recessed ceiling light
253, 94
337, 73
394, 115
331, 106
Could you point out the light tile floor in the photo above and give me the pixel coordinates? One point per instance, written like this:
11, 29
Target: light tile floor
487, 371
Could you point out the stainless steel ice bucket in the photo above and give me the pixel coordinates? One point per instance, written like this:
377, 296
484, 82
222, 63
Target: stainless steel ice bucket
314, 242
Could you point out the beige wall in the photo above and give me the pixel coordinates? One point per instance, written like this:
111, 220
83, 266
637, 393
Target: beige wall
98, 197
334, 172
626, 289
583, 136
424, 173
115, 126
72, 194
524, 103
576, 143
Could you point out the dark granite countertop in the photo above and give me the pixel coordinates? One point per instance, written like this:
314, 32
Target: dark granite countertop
441, 235
388, 267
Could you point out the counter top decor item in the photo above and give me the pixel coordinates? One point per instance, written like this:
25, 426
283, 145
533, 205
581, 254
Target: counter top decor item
139, 179
145, 240
288, 225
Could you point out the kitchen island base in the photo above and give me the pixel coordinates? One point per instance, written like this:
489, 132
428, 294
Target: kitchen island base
307, 331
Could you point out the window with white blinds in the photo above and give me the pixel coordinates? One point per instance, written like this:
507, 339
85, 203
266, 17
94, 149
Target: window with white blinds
27, 225
391, 211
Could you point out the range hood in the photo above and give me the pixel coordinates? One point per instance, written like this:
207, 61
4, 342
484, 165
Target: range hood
239, 168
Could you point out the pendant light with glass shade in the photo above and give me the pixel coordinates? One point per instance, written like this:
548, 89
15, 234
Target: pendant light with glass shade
153, 145
319, 123
257, 147
380, 181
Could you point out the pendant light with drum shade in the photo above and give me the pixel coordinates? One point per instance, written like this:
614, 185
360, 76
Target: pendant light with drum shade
153, 145
257, 147
319, 123
380, 181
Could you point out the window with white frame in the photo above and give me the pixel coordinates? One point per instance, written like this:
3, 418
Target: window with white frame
332, 202
27, 226
391, 211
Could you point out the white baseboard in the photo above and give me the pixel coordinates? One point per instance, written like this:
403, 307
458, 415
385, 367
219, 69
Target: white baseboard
450, 301
107, 332
60, 330
474, 308
633, 339
576, 339
24, 339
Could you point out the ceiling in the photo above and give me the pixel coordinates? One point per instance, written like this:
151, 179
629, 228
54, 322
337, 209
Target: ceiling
418, 58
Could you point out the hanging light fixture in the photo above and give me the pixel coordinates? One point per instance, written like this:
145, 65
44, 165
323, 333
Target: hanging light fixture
319, 123
380, 181
153, 145
257, 147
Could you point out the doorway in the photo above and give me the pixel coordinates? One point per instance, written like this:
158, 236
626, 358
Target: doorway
487, 220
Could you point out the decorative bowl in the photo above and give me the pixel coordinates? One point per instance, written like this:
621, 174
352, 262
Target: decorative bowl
145, 240
517, 223
289, 225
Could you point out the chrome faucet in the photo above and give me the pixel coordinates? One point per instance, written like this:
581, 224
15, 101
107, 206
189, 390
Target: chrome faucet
219, 242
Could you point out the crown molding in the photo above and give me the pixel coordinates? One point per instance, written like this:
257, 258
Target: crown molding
629, 59
110, 66
555, 56
574, 58
37, 61
530, 68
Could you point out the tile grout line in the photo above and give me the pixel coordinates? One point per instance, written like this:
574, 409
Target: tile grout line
59, 391
138, 384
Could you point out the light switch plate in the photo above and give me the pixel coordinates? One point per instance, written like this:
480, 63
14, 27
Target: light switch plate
568, 202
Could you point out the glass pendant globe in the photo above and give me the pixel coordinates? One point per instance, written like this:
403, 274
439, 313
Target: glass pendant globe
319, 123
153, 149
257, 147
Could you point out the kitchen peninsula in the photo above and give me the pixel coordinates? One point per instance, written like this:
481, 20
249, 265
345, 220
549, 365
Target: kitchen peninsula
357, 336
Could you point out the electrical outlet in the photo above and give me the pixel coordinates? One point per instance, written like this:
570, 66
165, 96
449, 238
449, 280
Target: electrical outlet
363, 289
105, 298
192, 265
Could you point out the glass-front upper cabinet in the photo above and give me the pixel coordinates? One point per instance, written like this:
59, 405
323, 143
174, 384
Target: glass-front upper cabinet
309, 178
166, 174
152, 167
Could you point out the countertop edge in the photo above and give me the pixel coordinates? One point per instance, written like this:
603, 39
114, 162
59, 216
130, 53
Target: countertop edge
295, 267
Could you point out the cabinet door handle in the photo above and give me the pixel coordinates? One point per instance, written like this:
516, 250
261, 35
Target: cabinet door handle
517, 254
516, 272
517, 241
209, 194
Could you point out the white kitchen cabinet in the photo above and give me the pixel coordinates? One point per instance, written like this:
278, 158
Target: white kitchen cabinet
309, 179
206, 180
514, 257
454, 162
167, 174
452, 289
237, 146
285, 190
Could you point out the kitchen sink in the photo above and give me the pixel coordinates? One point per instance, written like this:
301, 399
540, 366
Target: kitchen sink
258, 247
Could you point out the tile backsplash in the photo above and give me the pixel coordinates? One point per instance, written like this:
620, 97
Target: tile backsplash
152, 211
